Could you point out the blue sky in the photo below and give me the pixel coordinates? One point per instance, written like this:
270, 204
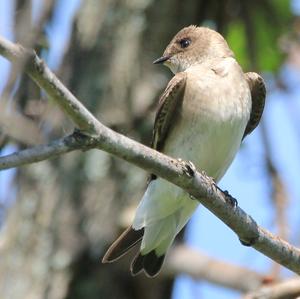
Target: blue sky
246, 179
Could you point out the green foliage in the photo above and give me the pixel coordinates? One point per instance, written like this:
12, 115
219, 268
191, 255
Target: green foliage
266, 28
236, 38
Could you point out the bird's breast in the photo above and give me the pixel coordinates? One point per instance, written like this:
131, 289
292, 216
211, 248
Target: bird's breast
210, 124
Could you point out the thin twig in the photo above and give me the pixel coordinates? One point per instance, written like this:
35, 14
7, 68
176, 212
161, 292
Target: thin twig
18, 127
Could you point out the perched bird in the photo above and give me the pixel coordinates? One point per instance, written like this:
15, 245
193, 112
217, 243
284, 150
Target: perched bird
206, 110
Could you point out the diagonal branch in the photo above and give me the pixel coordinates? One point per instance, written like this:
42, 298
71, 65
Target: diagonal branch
96, 135
46, 80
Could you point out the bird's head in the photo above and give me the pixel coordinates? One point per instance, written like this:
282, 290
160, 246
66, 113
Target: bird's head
193, 45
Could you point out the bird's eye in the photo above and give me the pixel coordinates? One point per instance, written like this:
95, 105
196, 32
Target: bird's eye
184, 43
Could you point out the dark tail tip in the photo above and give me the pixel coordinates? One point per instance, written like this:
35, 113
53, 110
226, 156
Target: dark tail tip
153, 263
137, 264
150, 263
123, 244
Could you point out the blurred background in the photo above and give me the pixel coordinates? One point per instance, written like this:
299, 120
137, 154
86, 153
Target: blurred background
59, 216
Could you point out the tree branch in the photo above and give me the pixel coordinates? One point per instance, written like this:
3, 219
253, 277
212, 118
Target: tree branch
289, 289
186, 260
197, 184
39, 153
46, 80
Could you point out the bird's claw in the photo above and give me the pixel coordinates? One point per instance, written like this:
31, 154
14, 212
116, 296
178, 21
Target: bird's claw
209, 178
188, 167
229, 199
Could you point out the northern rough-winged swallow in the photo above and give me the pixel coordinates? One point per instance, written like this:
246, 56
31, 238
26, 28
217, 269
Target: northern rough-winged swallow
206, 110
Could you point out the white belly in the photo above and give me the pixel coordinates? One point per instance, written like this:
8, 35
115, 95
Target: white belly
208, 135
210, 145
211, 124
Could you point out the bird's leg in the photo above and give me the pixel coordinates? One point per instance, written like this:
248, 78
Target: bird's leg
188, 167
228, 198
210, 179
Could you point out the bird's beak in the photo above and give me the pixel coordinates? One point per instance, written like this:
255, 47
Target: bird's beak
161, 59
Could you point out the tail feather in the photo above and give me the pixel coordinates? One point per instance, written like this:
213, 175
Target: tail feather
153, 263
150, 263
123, 244
159, 236
137, 264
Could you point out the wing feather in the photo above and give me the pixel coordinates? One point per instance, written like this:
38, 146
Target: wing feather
169, 102
258, 96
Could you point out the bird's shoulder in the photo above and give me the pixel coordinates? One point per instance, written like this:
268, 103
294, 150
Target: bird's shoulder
173, 87
212, 71
225, 66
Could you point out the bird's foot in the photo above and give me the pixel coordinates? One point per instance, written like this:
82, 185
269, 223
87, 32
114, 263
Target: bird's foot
210, 179
229, 199
188, 167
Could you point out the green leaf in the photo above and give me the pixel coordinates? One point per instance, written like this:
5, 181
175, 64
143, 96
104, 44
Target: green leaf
268, 27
